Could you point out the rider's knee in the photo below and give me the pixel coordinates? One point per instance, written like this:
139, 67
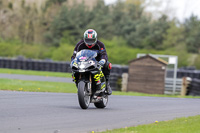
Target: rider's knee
108, 65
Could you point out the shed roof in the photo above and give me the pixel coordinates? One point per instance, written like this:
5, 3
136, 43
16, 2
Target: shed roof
148, 56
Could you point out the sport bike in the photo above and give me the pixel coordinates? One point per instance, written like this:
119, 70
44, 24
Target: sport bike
89, 79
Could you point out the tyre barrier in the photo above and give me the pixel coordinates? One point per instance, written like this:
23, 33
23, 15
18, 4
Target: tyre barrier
194, 87
115, 81
184, 73
55, 66
39, 65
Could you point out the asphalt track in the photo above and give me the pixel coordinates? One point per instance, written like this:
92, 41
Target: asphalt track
28, 112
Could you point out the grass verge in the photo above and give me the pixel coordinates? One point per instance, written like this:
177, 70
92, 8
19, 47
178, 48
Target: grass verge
37, 86
41, 86
150, 95
39, 73
179, 125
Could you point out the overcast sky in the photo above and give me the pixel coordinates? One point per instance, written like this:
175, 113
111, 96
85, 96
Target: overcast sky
178, 8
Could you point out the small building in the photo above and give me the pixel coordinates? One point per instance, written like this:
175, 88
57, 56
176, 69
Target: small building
147, 75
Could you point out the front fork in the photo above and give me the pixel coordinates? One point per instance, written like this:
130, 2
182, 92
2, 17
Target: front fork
88, 83
98, 78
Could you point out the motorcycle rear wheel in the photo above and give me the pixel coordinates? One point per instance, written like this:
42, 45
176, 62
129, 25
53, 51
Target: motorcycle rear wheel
83, 95
103, 103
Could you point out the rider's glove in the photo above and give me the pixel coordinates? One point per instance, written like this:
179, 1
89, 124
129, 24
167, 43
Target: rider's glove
102, 62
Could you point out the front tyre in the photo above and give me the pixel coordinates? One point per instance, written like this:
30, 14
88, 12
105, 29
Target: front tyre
103, 103
83, 95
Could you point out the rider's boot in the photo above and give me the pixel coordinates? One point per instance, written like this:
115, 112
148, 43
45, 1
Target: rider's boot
108, 88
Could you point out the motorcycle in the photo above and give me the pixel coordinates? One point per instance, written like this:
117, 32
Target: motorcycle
89, 79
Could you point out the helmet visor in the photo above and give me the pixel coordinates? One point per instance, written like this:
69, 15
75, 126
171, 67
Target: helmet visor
90, 41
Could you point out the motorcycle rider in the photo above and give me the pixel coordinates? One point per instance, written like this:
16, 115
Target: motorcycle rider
91, 42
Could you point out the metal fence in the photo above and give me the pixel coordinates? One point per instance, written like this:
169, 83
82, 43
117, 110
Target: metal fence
194, 87
169, 86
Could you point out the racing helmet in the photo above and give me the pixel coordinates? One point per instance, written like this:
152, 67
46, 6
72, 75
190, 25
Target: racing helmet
90, 38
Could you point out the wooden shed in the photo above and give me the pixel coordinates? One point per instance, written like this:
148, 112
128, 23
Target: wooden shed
147, 75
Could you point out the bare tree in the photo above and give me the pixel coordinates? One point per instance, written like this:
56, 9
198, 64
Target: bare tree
158, 8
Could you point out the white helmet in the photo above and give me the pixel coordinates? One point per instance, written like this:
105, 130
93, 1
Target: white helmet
90, 38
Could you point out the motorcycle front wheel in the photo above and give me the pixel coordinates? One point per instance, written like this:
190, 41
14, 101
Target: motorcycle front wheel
83, 95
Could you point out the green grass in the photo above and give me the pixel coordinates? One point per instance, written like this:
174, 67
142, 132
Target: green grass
179, 125
41, 86
37, 86
15, 85
151, 95
40, 73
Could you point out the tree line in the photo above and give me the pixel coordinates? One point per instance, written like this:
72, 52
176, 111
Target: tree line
56, 27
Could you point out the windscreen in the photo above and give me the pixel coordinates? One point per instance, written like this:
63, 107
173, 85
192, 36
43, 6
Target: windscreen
85, 55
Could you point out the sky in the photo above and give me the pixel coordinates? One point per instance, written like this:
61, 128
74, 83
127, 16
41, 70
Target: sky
180, 9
